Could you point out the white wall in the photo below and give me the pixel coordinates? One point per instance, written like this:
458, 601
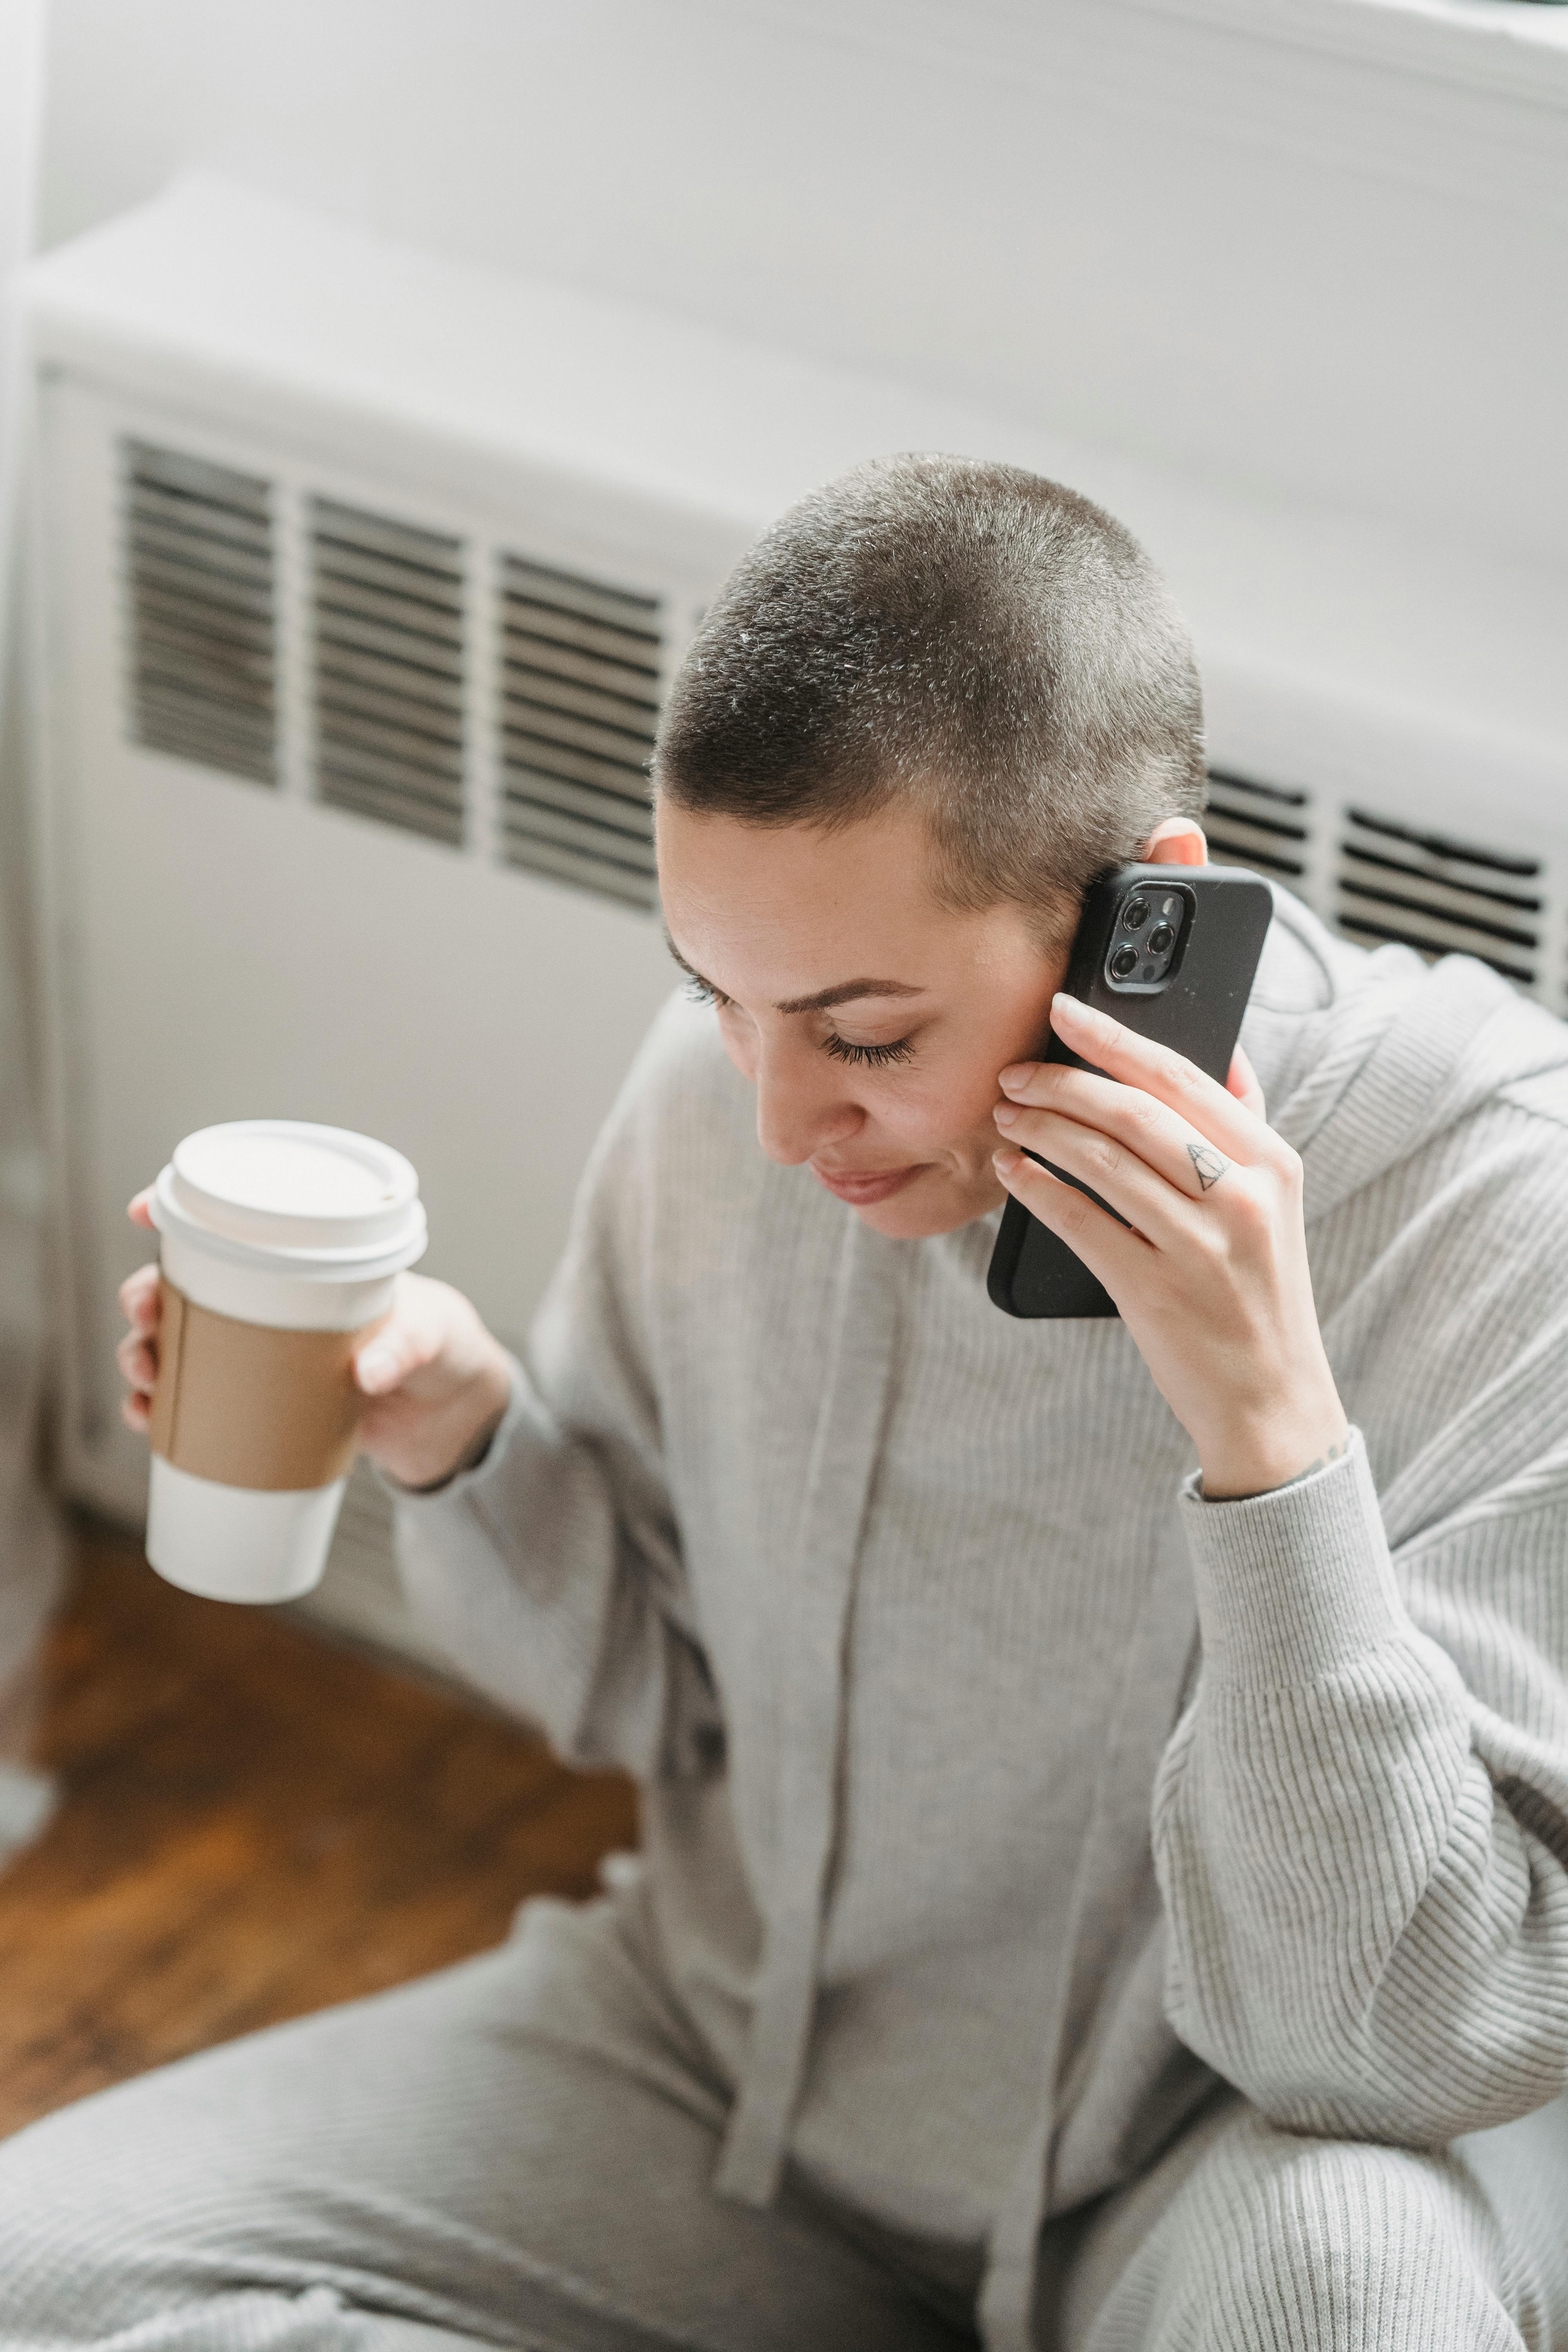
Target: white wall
21, 107
30, 1553
21, 95
1321, 257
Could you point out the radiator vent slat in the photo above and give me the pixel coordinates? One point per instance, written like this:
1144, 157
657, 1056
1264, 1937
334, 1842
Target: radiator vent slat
378, 678
363, 540
548, 714
184, 603
580, 676
399, 628
590, 870
172, 668
567, 591
1395, 881
183, 703
1443, 849
177, 647
199, 598
1265, 826
387, 632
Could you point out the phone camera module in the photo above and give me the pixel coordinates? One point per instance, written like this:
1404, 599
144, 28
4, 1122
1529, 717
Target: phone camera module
1145, 942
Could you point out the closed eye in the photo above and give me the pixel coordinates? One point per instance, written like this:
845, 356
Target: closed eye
864, 1057
876, 1058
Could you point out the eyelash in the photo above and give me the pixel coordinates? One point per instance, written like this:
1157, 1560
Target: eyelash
874, 1057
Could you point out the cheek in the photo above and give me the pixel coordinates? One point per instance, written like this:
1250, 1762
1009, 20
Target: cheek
928, 1109
950, 1111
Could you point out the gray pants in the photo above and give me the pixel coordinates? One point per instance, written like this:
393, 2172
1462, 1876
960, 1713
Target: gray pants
518, 2152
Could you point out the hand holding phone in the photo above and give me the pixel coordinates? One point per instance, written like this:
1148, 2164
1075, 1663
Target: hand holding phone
1183, 1207
1171, 952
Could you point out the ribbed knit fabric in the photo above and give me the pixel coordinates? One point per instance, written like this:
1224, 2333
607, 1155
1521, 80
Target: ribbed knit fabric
1250, 2237
520, 2152
910, 1622
435, 2169
976, 1653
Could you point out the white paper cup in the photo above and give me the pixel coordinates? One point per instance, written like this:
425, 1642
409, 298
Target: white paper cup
273, 1226
234, 1543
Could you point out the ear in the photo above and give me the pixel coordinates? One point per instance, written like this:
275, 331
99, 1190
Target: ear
1178, 841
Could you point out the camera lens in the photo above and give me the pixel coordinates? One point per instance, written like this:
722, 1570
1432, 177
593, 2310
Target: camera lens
1134, 914
1162, 938
1124, 963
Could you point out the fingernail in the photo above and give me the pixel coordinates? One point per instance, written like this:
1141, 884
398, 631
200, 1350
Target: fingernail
376, 1365
1074, 1007
1006, 1162
1017, 1074
1003, 1114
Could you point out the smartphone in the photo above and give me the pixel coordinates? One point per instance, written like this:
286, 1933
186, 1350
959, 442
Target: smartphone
1169, 951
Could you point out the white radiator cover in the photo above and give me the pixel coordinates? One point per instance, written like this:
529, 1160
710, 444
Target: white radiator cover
500, 507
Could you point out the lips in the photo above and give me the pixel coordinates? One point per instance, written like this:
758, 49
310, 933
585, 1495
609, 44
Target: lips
862, 1187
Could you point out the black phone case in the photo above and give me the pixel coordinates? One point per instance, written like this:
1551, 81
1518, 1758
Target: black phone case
1198, 1012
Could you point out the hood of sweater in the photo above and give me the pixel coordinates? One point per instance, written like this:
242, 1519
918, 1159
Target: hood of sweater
1364, 1059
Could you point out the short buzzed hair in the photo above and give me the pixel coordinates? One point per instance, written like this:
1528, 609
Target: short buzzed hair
968, 638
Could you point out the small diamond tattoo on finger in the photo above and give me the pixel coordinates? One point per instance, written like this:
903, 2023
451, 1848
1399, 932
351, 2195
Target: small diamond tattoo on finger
1210, 1167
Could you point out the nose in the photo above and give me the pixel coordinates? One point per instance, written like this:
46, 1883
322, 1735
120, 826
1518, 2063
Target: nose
802, 1105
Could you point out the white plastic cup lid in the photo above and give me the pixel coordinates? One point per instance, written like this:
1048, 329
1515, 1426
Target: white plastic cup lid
320, 1203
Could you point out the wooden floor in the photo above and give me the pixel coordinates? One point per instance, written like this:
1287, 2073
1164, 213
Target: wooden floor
254, 1822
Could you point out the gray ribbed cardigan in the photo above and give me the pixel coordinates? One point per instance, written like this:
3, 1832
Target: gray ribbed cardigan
997, 1788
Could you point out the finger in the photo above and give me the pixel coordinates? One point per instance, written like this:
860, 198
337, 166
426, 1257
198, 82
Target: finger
139, 1210
1112, 1120
379, 1367
137, 1364
135, 1411
1243, 1083
385, 1362
1141, 1162
1168, 1075
1113, 1254
139, 1298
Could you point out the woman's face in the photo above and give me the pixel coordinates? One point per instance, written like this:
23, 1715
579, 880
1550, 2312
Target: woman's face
871, 1021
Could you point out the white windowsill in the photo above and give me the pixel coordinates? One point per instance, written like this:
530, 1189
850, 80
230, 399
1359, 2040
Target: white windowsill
1507, 49
1465, 99
1508, 46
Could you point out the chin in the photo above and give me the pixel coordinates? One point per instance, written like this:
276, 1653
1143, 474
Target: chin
929, 1207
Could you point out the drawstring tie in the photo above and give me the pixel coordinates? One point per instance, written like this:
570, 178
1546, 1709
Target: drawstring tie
845, 1449
1159, 1653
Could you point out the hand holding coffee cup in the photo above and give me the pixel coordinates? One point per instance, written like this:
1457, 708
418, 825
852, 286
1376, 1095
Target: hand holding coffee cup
434, 1382
280, 1332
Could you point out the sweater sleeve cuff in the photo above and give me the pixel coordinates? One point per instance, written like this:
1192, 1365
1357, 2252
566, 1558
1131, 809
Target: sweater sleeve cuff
1292, 1584
464, 1482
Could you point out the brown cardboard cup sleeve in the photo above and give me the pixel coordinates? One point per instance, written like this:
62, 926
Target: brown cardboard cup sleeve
246, 1404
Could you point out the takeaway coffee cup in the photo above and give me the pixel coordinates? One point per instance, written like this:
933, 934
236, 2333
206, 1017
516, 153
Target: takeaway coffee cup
280, 1245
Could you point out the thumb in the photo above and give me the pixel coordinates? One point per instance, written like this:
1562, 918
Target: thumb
389, 1356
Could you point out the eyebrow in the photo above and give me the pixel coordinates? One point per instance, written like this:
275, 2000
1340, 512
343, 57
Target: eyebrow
847, 992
